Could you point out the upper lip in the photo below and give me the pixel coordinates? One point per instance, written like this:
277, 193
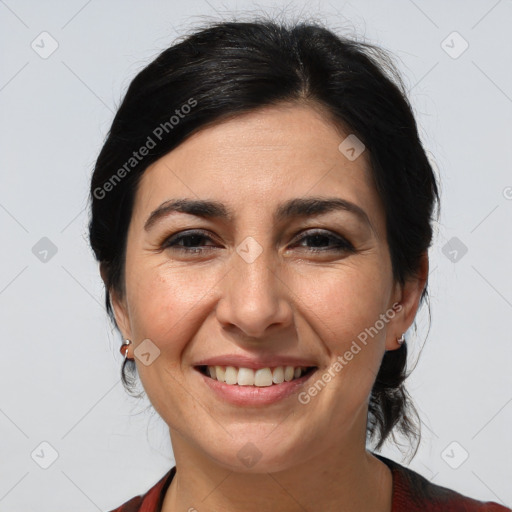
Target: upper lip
255, 363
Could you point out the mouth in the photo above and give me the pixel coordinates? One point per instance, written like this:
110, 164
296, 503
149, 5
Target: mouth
256, 378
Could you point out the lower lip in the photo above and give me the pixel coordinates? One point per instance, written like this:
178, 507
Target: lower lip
253, 395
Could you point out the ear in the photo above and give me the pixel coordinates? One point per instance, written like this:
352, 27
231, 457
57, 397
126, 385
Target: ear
120, 308
408, 297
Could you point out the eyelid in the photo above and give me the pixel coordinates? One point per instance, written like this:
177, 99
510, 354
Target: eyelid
322, 232
339, 242
187, 232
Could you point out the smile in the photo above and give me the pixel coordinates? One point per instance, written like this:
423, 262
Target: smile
248, 387
261, 377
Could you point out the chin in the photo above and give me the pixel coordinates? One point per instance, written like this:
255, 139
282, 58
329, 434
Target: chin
258, 454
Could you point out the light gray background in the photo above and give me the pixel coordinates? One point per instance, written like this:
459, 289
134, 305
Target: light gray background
60, 361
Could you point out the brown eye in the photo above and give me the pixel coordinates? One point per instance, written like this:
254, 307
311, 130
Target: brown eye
321, 240
192, 242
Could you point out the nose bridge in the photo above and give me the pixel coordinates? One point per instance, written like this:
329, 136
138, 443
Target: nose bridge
255, 266
254, 298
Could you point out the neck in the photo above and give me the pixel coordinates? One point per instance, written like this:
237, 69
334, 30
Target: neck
347, 478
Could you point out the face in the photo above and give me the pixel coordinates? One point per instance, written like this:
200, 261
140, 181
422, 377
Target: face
262, 278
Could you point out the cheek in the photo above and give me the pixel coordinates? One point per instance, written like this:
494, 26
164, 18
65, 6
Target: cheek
169, 304
345, 313
345, 301
344, 309
163, 303
164, 307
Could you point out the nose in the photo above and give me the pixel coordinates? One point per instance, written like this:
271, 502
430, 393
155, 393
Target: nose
254, 299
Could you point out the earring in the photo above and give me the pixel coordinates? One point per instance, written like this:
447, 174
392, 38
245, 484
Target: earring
124, 348
401, 339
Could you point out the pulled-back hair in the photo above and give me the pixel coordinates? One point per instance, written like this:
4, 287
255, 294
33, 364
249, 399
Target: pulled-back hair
230, 68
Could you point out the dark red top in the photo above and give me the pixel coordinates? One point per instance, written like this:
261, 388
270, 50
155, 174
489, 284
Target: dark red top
411, 493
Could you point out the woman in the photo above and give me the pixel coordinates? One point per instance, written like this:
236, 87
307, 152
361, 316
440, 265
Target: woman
261, 212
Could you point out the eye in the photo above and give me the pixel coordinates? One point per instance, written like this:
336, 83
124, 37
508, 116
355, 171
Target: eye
191, 240
322, 238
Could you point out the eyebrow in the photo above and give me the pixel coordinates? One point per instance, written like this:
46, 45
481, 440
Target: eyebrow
298, 207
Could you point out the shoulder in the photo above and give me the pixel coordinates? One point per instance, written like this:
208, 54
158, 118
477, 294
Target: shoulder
151, 500
414, 493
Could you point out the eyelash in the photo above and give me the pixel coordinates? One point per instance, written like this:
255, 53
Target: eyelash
342, 245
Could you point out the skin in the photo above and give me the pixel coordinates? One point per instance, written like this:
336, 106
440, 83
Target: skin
288, 301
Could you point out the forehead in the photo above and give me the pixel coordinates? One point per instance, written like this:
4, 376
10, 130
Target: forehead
260, 158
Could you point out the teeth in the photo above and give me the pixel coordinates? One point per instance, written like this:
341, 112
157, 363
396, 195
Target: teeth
220, 373
245, 377
262, 377
231, 376
278, 375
